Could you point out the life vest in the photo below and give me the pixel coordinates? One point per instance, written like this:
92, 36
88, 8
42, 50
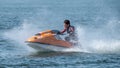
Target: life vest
69, 29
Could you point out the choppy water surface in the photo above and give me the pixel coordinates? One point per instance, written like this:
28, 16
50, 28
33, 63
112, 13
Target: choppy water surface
97, 24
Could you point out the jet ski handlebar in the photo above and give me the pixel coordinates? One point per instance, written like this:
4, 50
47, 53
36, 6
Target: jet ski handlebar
57, 32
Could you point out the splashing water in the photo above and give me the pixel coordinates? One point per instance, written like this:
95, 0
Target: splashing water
103, 40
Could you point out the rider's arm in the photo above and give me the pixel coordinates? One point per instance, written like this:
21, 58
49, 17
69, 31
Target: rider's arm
63, 31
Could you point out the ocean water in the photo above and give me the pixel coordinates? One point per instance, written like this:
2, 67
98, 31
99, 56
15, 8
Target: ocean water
97, 25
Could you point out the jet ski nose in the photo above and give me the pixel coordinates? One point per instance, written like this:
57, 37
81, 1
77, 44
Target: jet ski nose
32, 39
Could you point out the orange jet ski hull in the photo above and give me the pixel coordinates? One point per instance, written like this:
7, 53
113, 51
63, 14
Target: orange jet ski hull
49, 37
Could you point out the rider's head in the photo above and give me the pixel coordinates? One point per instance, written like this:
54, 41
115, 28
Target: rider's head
66, 23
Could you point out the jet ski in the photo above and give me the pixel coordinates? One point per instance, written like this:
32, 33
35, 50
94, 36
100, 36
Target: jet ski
50, 40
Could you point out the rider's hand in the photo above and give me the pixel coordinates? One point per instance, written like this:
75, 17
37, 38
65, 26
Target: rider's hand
38, 34
59, 33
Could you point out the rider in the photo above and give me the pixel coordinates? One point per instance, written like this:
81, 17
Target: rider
69, 29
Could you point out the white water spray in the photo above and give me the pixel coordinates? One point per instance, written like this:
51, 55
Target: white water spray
100, 40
